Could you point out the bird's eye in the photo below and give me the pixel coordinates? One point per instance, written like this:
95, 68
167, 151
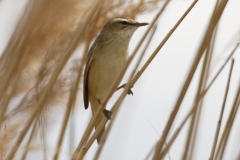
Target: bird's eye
124, 23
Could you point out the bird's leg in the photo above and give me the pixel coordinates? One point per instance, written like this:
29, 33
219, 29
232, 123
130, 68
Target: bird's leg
108, 114
123, 86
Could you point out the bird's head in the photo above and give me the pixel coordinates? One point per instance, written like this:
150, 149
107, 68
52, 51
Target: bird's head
121, 28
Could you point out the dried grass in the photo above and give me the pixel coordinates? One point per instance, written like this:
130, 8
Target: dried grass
40, 67
30, 63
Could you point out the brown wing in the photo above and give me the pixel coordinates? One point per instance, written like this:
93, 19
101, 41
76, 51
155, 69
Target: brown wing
85, 79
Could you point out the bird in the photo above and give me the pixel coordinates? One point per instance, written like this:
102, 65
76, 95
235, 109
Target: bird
105, 60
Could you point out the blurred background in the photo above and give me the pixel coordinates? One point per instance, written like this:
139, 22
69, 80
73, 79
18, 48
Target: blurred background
34, 36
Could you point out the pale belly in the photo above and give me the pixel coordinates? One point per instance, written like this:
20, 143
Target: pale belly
102, 75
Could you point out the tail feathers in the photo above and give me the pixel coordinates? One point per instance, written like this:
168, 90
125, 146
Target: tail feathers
98, 121
94, 107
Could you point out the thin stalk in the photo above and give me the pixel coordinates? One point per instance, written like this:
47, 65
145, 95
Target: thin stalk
15, 51
71, 103
38, 107
72, 121
215, 18
11, 67
18, 108
227, 129
197, 112
221, 114
139, 73
33, 133
224, 64
150, 151
19, 66
203, 93
65, 121
193, 124
208, 58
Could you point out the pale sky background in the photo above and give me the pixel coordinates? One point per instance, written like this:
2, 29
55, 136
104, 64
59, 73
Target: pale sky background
155, 93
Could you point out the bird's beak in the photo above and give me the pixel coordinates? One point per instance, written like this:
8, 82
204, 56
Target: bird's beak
140, 24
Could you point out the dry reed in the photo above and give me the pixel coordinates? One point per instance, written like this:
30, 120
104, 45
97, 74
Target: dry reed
40, 66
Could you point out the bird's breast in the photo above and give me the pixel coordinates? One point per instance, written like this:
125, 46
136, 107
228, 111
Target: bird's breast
104, 71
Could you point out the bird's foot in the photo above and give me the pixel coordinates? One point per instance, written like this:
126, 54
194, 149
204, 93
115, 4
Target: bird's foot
108, 114
129, 91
